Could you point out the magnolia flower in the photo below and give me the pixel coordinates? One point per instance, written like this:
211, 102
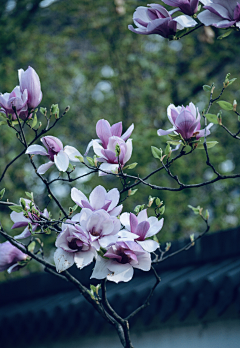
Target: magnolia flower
9, 257
105, 132
141, 227
189, 7
99, 199
185, 121
17, 99
99, 225
55, 152
108, 156
21, 221
157, 20
29, 81
73, 246
220, 13
122, 258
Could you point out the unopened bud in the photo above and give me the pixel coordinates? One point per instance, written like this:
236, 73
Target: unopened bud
234, 105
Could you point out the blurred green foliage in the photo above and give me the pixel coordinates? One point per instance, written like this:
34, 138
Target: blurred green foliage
87, 58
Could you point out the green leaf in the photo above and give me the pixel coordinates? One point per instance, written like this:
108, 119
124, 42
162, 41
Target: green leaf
157, 153
173, 142
23, 203
132, 192
209, 145
158, 201
55, 110
207, 88
212, 118
34, 122
175, 136
225, 105
231, 81
70, 166
227, 33
2, 193
162, 210
91, 161
195, 210
72, 209
3, 122
29, 195
80, 158
31, 246
131, 166
43, 110
16, 208
117, 150
168, 149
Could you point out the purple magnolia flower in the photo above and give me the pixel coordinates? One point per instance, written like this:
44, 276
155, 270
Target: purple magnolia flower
9, 257
17, 99
21, 221
189, 7
220, 13
157, 20
108, 155
141, 227
74, 245
101, 227
122, 258
105, 132
29, 81
99, 199
55, 152
185, 121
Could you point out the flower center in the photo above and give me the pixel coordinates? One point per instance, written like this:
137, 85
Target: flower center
75, 244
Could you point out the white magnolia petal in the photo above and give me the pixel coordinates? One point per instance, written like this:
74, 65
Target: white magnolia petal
62, 161
116, 211
209, 18
97, 197
72, 152
144, 262
77, 196
18, 217
26, 233
120, 272
128, 132
108, 168
148, 245
155, 228
107, 241
113, 195
142, 216
125, 220
76, 217
63, 260
100, 270
84, 258
97, 148
128, 153
36, 150
44, 167
126, 235
185, 21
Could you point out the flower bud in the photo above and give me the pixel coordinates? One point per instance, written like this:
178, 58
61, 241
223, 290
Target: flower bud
29, 80
234, 105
